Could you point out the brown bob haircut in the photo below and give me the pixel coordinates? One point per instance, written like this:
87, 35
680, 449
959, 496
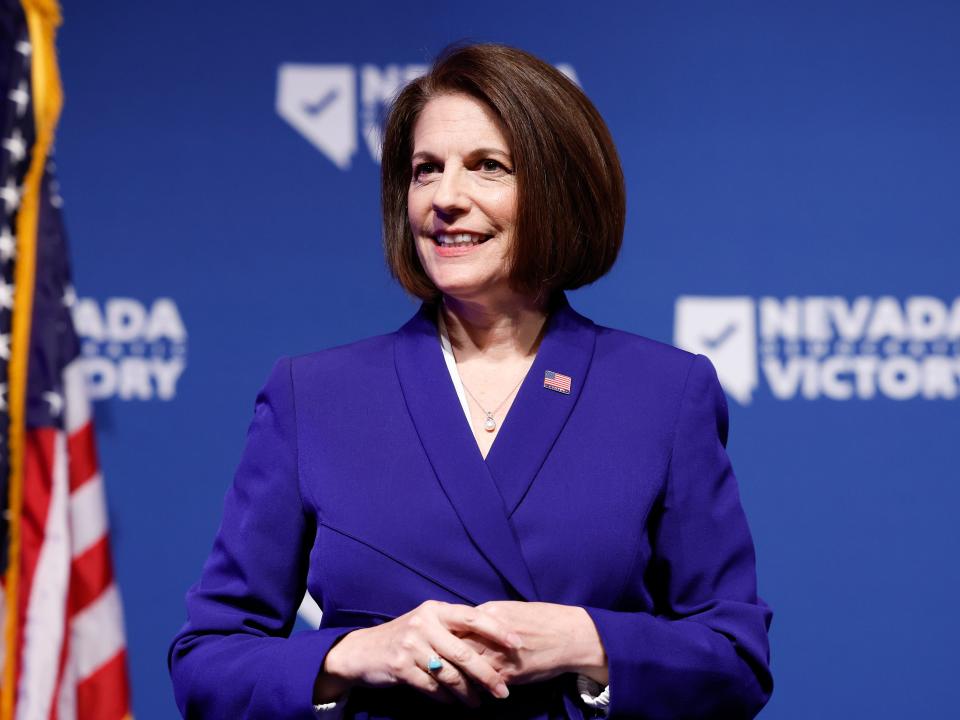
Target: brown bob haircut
571, 202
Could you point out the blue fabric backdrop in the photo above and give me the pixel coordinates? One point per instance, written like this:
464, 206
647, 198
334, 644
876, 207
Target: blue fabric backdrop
792, 178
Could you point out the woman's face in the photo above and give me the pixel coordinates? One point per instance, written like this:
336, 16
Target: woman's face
462, 198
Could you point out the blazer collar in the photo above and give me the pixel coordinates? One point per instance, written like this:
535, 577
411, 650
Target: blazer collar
538, 414
485, 493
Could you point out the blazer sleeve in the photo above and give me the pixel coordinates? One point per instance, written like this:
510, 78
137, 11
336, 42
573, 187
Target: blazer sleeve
704, 652
234, 657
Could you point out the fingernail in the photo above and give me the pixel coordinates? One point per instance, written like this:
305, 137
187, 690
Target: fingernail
515, 640
502, 691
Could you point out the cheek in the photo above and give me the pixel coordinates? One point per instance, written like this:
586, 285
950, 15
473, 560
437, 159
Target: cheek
418, 246
411, 209
417, 205
425, 254
504, 204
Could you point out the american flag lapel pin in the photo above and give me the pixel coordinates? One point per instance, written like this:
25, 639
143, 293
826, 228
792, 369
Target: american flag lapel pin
558, 382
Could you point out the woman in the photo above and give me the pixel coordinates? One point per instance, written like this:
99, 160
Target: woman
502, 507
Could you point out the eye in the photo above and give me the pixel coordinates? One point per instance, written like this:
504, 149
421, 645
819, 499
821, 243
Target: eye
492, 166
425, 169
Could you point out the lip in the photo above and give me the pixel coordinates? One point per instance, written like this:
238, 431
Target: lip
456, 250
449, 251
454, 230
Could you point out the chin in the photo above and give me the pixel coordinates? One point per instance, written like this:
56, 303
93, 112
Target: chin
473, 291
455, 281
462, 291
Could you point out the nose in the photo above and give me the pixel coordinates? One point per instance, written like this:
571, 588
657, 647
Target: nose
450, 197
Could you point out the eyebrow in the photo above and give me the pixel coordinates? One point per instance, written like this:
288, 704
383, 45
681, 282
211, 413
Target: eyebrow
424, 155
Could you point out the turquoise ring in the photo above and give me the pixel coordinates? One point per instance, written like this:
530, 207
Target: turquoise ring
434, 664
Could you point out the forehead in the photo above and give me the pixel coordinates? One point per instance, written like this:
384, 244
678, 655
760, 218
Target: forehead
457, 123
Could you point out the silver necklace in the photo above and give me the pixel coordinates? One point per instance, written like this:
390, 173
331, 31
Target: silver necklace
490, 424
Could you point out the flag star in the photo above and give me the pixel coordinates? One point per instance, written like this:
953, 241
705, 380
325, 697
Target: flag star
8, 245
55, 401
56, 199
3, 396
24, 48
21, 97
6, 295
10, 194
5, 349
69, 296
16, 146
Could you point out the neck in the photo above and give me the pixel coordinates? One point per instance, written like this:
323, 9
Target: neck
496, 332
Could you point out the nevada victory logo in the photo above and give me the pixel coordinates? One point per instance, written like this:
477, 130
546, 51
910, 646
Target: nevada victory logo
825, 346
130, 349
320, 102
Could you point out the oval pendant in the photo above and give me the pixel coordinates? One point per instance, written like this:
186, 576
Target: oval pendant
489, 424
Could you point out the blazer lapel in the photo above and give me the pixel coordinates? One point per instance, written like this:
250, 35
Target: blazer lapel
449, 444
538, 414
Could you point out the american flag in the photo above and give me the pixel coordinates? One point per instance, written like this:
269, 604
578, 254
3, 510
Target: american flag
557, 382
63, 651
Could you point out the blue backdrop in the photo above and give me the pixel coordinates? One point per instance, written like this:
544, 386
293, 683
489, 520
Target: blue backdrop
792, 171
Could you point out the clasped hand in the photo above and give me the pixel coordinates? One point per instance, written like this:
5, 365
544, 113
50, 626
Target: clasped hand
482, 649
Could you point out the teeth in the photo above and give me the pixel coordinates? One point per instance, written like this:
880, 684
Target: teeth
459, 240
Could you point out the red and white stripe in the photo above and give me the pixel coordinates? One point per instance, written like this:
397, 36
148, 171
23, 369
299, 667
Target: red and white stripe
72, 647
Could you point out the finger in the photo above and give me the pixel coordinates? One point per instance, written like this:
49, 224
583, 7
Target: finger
464, 619
446, 683
479, 644
454, 680
498, 656
468, 663
426, 683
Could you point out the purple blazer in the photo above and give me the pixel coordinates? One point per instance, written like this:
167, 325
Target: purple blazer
361, 481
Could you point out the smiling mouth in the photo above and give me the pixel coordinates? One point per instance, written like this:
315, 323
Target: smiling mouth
459, 239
